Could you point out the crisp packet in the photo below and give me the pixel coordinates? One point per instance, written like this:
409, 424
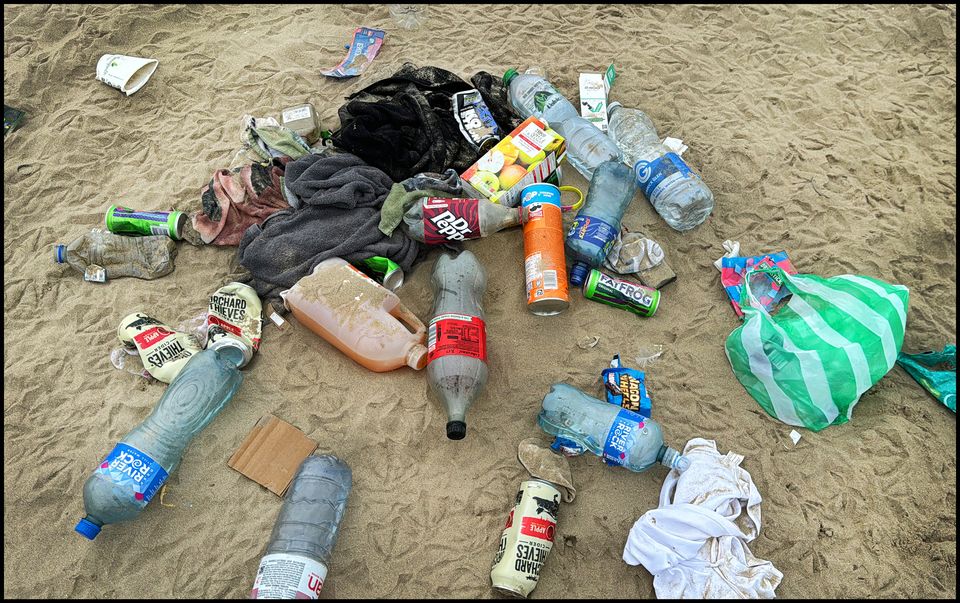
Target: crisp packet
366, 44
624, 387
733, 268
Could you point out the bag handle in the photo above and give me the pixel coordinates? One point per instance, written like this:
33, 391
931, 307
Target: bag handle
747, 294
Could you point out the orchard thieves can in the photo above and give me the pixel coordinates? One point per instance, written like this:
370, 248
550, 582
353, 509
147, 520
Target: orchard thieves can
527, 538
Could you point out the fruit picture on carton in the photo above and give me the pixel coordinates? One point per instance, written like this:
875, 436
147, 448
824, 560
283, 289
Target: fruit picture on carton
513, 158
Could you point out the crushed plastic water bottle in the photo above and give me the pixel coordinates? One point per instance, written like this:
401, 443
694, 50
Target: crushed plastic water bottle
409, 16
674, 190
622, 437
598, 222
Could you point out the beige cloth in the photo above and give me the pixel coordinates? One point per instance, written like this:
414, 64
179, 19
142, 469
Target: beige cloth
543, 463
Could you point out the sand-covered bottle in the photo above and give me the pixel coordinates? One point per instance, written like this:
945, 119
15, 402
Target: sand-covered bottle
359, 316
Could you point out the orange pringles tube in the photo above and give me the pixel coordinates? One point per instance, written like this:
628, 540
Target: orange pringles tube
543, 254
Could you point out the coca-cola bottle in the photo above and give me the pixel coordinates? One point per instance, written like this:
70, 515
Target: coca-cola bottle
457, 337
436, 221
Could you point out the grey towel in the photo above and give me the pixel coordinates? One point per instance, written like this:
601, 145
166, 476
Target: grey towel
341, 198
409, 192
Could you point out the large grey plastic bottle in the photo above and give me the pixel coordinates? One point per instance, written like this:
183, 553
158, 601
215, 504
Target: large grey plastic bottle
128, 478
457, 359
298, 555
619, 435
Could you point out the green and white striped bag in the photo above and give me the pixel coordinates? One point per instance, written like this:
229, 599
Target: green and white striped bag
808, 364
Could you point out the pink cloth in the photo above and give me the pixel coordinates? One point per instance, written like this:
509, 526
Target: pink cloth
235, 200
733, 269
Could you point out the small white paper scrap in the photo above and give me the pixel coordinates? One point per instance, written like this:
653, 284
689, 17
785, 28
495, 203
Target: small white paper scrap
675, 144
795, 436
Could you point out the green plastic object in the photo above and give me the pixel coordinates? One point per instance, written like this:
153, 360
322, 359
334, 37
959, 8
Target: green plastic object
11, 119
387, 272
809, 363
936, 372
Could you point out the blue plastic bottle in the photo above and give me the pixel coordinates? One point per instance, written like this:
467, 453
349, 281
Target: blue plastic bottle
133, 472
597, 224
620, 436
587, 145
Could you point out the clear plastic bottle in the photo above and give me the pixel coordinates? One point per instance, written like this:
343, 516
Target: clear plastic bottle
587, 145
298, 556
492, 217
597, 224
141, 257
675, 191
620, 436
359, 316
135, 470
409, 16
457, 365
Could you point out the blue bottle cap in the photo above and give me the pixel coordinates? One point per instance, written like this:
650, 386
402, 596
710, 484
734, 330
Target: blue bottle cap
58, 253
87, 528
578, 273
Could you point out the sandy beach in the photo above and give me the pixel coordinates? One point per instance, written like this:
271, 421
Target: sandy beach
825, 131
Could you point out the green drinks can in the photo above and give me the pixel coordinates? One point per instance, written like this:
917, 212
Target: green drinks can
126, 221
632, 297
384, 271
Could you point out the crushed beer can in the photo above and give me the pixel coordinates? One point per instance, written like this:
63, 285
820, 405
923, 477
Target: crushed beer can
526, 539
234, 319
164, 351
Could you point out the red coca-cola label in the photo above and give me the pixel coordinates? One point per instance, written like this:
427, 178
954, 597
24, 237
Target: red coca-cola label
457, 334
450, 220
538, 528
151, 337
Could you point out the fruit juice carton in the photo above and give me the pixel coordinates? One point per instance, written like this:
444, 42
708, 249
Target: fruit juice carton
530, 154
594, 88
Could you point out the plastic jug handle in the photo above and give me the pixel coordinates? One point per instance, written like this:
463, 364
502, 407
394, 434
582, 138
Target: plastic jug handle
401, 313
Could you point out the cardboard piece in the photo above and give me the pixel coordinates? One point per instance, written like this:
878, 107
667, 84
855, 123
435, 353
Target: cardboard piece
271, 453
594, 88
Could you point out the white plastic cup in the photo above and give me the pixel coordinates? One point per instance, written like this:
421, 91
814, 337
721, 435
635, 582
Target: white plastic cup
127, 74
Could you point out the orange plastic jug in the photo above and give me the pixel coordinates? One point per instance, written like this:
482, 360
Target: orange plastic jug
362, 319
